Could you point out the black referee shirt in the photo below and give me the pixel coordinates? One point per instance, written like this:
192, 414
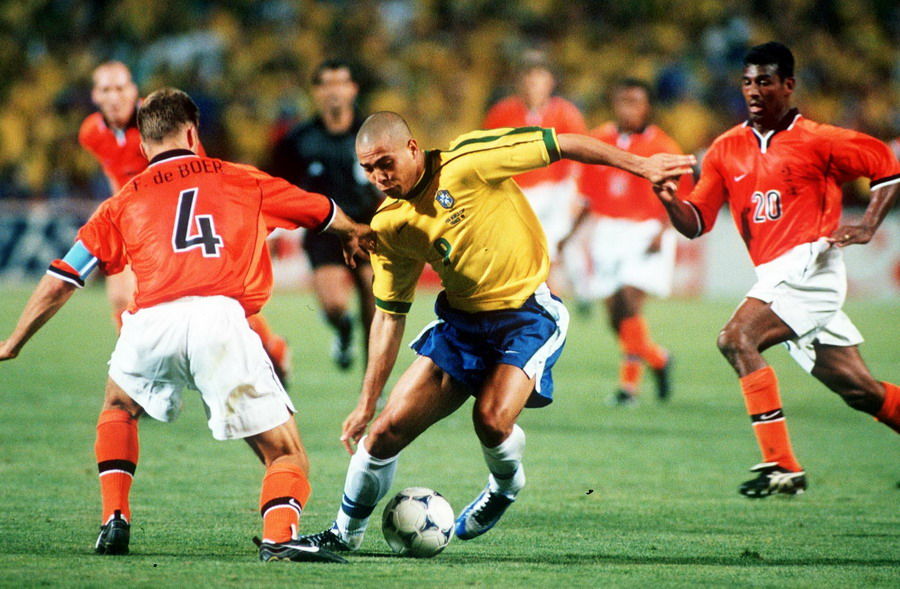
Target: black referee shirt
315, 160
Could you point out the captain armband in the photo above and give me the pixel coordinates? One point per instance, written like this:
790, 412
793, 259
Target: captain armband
75, 267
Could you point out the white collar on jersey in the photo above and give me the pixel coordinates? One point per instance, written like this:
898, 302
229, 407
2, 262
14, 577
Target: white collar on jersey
786, 124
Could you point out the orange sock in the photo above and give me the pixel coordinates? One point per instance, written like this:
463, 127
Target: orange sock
889, 414
275, 345
285, 490
630, 373
117, 319
634, 336
117, 455
259, 324
760, 389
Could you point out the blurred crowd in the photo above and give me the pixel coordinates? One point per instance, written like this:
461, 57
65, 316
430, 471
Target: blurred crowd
439, 62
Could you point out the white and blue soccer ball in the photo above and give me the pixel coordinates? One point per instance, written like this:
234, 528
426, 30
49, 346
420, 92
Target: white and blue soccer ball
417, 522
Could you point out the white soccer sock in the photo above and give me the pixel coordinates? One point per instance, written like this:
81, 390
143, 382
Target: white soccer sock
505, 463
368, 480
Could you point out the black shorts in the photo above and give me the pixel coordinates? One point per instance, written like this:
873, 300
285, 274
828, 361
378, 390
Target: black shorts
325, 249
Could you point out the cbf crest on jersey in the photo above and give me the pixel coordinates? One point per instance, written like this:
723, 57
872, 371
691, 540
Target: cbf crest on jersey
445, 199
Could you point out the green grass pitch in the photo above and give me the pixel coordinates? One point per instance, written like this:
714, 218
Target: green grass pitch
641, 497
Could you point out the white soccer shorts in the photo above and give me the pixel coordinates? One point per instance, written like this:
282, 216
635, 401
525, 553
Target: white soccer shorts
619, 257
806, 287
553, 204
205, 344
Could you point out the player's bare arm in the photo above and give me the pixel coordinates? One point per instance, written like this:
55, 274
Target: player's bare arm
48, 297
384, 343
682, 215
882, 201
656, 168
356, 239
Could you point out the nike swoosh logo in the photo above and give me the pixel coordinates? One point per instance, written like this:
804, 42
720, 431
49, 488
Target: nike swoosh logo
741, 177
765, 416
401, 227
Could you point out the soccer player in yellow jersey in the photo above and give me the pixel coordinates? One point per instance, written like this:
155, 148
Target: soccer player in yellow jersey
499, 329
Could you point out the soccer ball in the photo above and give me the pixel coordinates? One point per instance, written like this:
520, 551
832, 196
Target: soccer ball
417, 522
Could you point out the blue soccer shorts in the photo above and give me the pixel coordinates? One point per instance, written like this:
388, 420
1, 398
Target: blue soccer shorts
467, 346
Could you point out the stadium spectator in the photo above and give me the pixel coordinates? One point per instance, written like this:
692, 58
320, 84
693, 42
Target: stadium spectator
632, 245
186, 326
550, 190
112, 137
318, 155
499, 331
781, 176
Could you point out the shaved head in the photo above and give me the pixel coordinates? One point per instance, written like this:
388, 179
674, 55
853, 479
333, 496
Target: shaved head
383, 128
388, 154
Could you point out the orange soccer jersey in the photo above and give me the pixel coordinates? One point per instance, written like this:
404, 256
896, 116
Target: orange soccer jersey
119, 152
559, 114
784, 188
612, 192
196, 226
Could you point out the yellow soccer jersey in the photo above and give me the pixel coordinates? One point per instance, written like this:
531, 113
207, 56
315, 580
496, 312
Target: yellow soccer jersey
468, 219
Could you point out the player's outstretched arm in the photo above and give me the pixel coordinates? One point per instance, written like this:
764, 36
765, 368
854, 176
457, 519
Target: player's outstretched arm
385, 337
683, 216
48, 297
356, 239
655, 168
882, 201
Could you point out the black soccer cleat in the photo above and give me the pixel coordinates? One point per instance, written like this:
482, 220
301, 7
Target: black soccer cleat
342, 349
622, 398
773, 480
329, 540
114, 536
664, 380
294, 551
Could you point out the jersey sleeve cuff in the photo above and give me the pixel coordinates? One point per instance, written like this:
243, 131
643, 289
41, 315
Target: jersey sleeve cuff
332, 211
882, 182
393, 307
552, 144
66, 273
700, 224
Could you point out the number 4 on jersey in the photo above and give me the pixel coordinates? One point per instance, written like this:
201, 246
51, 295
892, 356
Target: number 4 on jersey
206, 238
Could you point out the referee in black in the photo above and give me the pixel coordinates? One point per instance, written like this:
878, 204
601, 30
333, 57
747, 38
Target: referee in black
319, 155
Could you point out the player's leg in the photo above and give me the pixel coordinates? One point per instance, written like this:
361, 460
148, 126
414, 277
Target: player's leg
623, 309
635, 339
285, 487
276, 346
362, 280
116, 449
842, 369
330, 285
753, 328
499, 403
423, 395
120, 292
284, 494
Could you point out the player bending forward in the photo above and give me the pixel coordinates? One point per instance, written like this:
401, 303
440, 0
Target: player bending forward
781, 175
499, 330
194, 230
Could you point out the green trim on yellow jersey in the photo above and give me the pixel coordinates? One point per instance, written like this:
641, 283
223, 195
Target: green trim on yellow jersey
489, 138
552, 143
397, 307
